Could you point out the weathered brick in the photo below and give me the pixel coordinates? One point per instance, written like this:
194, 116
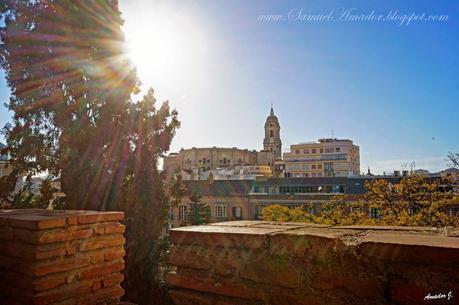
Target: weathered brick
6, 233
191, 257
106, 294
40, 257
94, 244
102, 269
109, 228
72, 220
100, 217
36, 222
402, 292
298, 299
361, 287
64, 236
41, 269
3, 221
7, 291
60, 294
114, 253
51, 236
187, 297
96, 257
276, 270
212, 285
96, 285
48, 282
112, 279
392, 252
227, 264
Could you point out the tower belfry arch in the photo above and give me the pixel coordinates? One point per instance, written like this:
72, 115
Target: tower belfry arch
272, 141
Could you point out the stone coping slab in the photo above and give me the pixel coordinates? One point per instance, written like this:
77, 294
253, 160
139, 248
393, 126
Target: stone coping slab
40, 219
412, 236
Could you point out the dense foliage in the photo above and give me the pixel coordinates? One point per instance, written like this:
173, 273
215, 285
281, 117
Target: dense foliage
414, 201
454, 159
198, 213
74, 118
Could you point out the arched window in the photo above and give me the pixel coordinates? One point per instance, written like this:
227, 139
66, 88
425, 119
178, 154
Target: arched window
271, 133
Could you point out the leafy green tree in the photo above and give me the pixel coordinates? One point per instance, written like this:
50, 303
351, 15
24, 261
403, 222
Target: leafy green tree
143, 195
198, 212
70, 84
177, 190
74, 118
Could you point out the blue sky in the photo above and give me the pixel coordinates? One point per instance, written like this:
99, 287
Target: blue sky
393, 89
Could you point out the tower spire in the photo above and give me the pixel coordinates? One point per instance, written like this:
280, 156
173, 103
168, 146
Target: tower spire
272, 110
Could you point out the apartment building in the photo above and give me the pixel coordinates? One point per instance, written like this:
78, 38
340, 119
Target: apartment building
328, 157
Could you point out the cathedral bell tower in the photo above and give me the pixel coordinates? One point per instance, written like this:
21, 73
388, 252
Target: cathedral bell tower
272, 141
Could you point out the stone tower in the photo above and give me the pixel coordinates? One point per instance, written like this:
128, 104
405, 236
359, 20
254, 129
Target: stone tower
272, 141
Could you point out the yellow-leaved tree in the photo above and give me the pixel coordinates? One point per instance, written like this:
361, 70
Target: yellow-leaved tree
414, 201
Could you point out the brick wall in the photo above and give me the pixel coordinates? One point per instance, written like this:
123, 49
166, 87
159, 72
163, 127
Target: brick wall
250, 262
61, 257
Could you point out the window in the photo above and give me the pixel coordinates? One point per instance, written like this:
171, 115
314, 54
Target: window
337, 149
328, 166
271, 133
329, 150
297, 151
313, 151
237, 213
321, 150
258, 211
374, 213
313, 166
355, 209
182, 212
337, 189
319, 166
220, 210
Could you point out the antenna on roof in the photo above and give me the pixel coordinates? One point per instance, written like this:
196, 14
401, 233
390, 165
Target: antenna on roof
332, 134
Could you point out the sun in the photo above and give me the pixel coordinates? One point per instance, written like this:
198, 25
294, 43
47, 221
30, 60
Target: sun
165, 44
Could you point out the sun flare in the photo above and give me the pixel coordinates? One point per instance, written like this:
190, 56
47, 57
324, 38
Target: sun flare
164, 44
